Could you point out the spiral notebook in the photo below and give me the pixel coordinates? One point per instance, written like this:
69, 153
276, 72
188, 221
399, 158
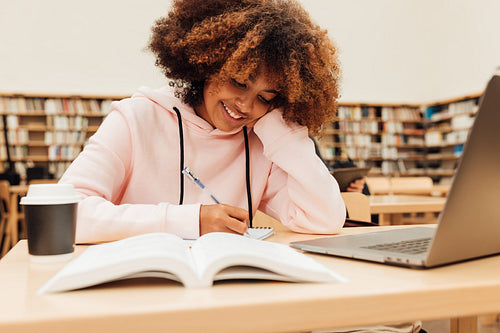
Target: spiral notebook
259, 232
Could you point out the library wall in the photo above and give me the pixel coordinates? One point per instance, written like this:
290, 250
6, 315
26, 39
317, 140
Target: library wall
392, 51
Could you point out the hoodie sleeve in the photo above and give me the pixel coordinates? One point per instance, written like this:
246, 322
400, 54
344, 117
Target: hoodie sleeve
300, 192
100, 174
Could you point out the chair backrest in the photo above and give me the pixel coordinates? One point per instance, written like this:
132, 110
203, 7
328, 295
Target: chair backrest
400, 185
357, 205
411, 185
4, 207
4, 196
378, 185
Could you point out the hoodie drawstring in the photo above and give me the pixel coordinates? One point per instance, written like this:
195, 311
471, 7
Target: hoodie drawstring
181, 143
247, 165
247, 173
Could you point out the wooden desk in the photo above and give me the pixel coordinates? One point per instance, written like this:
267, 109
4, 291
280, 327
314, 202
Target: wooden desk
11, 230
374, 294
391, 206
440, 190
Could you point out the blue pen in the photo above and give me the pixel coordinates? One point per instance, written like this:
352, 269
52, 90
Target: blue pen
255, 233
198, 182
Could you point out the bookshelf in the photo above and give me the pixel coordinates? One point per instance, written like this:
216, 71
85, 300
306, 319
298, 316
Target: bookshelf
401, 140
48, 131
447, 126
388, 138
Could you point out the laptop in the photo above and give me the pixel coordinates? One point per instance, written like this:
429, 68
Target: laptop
469, 224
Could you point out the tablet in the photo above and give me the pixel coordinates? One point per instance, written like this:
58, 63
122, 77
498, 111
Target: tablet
345, 176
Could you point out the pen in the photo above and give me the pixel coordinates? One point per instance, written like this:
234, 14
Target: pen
198, 182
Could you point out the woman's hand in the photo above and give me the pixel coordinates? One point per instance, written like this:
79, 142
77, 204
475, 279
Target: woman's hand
223, 218
357, 185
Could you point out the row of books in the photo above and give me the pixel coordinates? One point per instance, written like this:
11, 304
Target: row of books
401, 114
53, 152
359, 127
17, 136
386, 113
356, 139
61, 152
361, 153
403, 128
69, 106
21, 137
374, 127
370, 152
399, 140
64, 123
358, 112
437, 138
65, 137
57, 122
440, 112
385, 140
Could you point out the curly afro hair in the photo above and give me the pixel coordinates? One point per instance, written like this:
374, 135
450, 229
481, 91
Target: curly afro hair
232, 39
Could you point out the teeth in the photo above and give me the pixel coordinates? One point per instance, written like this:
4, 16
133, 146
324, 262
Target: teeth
232, 114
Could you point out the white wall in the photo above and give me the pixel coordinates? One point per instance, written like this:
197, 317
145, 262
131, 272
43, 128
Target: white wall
412, 50
401, 51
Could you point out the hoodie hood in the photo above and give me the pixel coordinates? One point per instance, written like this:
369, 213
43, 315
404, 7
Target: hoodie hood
165, 97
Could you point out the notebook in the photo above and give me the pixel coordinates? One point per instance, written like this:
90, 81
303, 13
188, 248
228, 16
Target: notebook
469, 224
346, 176
259, 232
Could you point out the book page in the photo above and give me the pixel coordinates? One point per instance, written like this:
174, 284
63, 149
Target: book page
216, 251
120, 259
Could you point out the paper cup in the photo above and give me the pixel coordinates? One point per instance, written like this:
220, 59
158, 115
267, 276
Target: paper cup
50, 214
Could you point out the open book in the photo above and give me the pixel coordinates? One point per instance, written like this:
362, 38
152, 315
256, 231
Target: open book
212, 257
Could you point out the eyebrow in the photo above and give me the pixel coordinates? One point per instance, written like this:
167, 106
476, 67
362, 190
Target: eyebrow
251, 78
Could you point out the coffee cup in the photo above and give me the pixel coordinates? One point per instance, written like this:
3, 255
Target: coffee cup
50, 213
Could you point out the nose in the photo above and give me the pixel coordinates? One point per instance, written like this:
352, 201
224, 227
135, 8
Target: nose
244, 102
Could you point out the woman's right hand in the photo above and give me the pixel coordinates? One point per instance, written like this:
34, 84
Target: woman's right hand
223, 218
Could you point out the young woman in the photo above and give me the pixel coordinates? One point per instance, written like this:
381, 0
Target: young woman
249, 80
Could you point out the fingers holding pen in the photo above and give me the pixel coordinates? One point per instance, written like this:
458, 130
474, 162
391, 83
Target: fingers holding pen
223, 218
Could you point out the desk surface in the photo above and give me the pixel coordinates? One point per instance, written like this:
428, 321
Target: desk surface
382, 294
396, 203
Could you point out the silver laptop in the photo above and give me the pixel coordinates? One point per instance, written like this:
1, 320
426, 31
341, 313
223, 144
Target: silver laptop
469, 224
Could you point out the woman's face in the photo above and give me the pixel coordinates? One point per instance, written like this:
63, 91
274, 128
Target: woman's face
236, 104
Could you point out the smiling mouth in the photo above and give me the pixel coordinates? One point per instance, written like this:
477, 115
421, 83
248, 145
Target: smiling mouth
231, 113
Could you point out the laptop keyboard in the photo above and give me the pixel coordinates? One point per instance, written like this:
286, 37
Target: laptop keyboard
413, 246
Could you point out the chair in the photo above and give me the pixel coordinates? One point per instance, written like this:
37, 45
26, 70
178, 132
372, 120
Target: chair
4, 213
378, 185
412, 185
357, 205
8, 220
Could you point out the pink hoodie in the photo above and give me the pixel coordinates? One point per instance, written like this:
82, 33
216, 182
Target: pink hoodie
129, 173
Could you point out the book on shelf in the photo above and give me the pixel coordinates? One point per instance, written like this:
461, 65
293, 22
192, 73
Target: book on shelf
212, 257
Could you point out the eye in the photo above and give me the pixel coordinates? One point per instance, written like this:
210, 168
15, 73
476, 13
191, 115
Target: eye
263, 100
238, 84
